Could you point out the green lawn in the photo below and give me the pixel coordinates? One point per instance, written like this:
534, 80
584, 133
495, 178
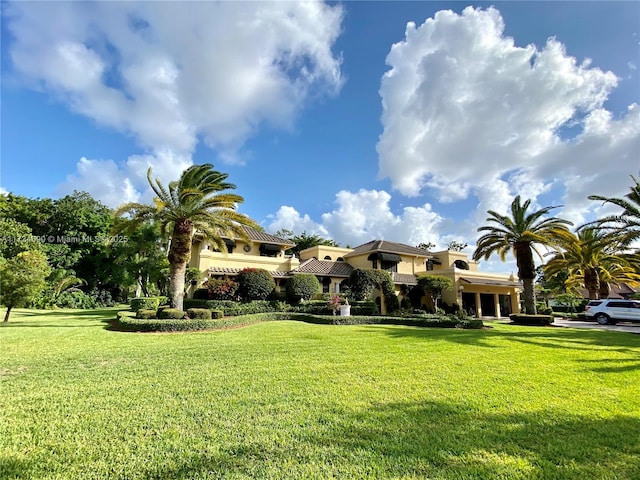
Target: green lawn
293, 400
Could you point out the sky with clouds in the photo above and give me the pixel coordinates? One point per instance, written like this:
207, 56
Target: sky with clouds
403, 121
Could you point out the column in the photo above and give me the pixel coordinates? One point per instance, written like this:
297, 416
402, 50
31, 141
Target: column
478, 305
496, 300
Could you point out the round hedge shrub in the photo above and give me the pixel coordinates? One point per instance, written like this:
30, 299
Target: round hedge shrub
302, 286
146, 314
201, 313
217, 314
255, 284
146, 303
170, 314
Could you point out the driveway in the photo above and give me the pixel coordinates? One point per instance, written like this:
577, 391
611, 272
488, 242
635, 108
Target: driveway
620, 327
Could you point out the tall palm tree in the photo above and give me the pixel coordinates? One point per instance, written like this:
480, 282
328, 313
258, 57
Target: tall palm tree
626, 225
196, 202
521, 233
592, 259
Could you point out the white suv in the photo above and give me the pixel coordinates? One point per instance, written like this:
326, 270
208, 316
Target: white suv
611, 311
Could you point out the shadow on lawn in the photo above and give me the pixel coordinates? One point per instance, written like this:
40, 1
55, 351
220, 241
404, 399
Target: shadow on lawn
430, 439
45, 318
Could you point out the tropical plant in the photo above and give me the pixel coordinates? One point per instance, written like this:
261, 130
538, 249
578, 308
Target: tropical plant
625, 225
592, 259
197, 202
520, 234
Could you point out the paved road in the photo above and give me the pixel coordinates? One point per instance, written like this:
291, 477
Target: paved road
620, 327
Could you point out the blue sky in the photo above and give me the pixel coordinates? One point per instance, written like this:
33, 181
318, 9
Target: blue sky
342, 119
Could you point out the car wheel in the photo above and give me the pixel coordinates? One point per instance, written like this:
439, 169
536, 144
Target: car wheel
602, 319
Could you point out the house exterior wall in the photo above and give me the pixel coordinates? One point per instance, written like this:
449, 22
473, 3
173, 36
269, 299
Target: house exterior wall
322, 251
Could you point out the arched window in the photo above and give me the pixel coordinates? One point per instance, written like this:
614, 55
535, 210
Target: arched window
339, 259
461, 264
327, 257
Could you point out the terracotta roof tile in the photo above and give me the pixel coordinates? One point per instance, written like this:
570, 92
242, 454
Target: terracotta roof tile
404, 278
264, 237
324, 267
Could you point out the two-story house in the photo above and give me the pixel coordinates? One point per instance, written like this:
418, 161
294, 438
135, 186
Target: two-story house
480, 293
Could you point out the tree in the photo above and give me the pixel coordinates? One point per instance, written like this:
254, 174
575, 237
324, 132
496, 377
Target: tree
433, 285
426, 246
520, 234
197, 202
304, 241
455, 246
16, 237
592, 259
625, 225
22, 278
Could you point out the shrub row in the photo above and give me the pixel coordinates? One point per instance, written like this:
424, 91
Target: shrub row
128, 323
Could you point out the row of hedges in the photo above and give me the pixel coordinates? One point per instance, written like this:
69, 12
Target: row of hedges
128, 323
531, 320
147, 303
316, 307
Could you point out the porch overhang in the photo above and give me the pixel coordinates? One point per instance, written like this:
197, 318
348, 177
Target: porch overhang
489, 282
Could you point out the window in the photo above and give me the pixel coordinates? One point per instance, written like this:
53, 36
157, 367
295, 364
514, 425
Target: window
389, 266
326, 285
327, 257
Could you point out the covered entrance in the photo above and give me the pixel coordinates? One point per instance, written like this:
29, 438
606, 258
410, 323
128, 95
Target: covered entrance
482, 297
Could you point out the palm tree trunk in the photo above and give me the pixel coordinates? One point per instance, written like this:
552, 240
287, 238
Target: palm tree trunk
526, 273
592, 283
176, 284
179, 255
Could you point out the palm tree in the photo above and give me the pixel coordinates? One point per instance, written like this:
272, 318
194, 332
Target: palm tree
592, 260
195, 203
627, 224
521, 233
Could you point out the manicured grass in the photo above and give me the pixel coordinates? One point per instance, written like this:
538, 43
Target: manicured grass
294, 400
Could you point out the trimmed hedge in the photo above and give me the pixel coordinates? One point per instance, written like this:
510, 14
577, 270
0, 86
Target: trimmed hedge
200, 313
132, 324
147, 303
170, 314
255, 284
146, 314
217, 314
232, 308
531, 320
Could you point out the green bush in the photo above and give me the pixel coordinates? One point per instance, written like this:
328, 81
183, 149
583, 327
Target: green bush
75, 299
146, 303
255, 284
146, 314
543, 309
200, 313
232, 308
170, 313
217, 314
218, 289
302, 286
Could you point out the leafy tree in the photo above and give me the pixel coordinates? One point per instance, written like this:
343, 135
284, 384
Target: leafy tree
363, 281
302, 286
433, 285
592, 259
15, 237
198, 201
22, 278
625, 225
304, 241
455, 246
521, 233
255, 284
426, 246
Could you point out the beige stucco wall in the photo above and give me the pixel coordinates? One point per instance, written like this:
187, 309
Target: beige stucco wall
321, 251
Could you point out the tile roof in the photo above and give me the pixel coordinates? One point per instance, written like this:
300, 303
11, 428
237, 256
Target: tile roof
235, 271
263, 237
324, 267
389, 247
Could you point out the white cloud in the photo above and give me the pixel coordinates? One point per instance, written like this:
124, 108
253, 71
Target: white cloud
170, 75
362, 216
467, 112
